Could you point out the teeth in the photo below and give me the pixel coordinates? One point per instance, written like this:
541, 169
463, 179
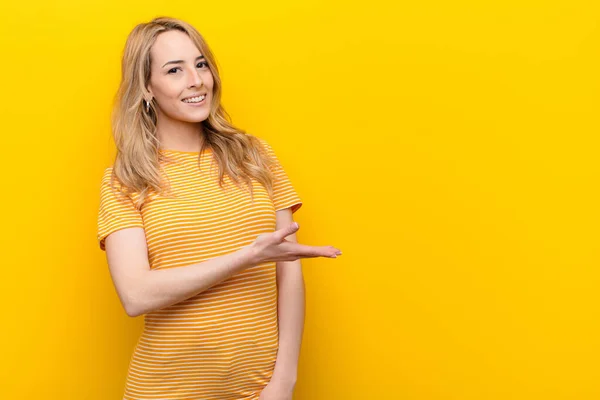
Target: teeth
194, 99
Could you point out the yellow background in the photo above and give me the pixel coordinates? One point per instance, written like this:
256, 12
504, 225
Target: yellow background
450, 149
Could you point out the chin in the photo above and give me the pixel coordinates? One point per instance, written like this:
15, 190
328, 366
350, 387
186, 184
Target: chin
193, 117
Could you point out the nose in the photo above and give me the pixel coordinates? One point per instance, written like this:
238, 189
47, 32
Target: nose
195, 80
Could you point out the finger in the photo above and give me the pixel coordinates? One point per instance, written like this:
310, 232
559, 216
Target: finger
288, 230
314, 251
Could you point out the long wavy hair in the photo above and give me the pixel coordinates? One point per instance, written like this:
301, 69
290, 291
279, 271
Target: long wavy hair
239, 155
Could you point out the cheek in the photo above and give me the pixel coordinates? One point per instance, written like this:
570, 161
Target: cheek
167, 94
208, 80
170, 98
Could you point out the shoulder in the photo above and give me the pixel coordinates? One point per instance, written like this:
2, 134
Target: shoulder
108, 178
265, 144
110, 181
260, 140
107, 173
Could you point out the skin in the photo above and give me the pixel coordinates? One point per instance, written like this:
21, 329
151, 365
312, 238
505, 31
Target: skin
179, 128
178, 124
291, 312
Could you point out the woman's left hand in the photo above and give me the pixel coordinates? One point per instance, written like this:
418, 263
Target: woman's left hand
277, 391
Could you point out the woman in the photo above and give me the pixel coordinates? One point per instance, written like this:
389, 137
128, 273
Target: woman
196, 221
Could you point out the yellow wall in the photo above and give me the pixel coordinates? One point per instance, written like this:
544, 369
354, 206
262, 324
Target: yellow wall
448, 148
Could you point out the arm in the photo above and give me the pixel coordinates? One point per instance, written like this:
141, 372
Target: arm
142, 290
291, 311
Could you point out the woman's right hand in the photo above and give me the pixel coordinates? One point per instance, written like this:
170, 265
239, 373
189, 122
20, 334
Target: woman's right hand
274, 247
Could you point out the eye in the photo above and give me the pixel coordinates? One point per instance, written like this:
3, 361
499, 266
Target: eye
201, 64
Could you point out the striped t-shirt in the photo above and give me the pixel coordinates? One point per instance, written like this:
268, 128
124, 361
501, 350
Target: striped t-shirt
221, 343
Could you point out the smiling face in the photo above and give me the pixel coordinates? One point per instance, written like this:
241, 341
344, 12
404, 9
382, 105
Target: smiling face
178, 75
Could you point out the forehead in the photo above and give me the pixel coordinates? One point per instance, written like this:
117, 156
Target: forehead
173, 45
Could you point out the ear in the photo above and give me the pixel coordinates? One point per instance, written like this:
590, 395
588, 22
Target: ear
149, 95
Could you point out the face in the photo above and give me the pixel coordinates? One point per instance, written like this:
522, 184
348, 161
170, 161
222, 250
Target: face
178, 74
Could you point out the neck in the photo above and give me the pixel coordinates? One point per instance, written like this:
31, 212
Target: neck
179, 135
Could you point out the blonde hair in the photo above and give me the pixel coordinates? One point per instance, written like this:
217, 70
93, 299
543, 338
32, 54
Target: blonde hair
238, 154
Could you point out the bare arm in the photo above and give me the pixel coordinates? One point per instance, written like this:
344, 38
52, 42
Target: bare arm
142, 290
291, 312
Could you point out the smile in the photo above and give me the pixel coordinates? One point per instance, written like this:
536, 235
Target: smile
193, 100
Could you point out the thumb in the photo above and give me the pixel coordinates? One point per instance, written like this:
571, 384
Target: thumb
288, 230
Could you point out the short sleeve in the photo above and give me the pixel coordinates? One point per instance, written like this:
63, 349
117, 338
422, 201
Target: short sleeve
284, 194
117, 211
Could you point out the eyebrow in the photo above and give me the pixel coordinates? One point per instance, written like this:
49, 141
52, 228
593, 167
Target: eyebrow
180, 61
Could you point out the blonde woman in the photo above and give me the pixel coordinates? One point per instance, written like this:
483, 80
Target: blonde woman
196, 220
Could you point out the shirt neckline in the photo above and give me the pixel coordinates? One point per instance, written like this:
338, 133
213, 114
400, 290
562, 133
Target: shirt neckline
183, 152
